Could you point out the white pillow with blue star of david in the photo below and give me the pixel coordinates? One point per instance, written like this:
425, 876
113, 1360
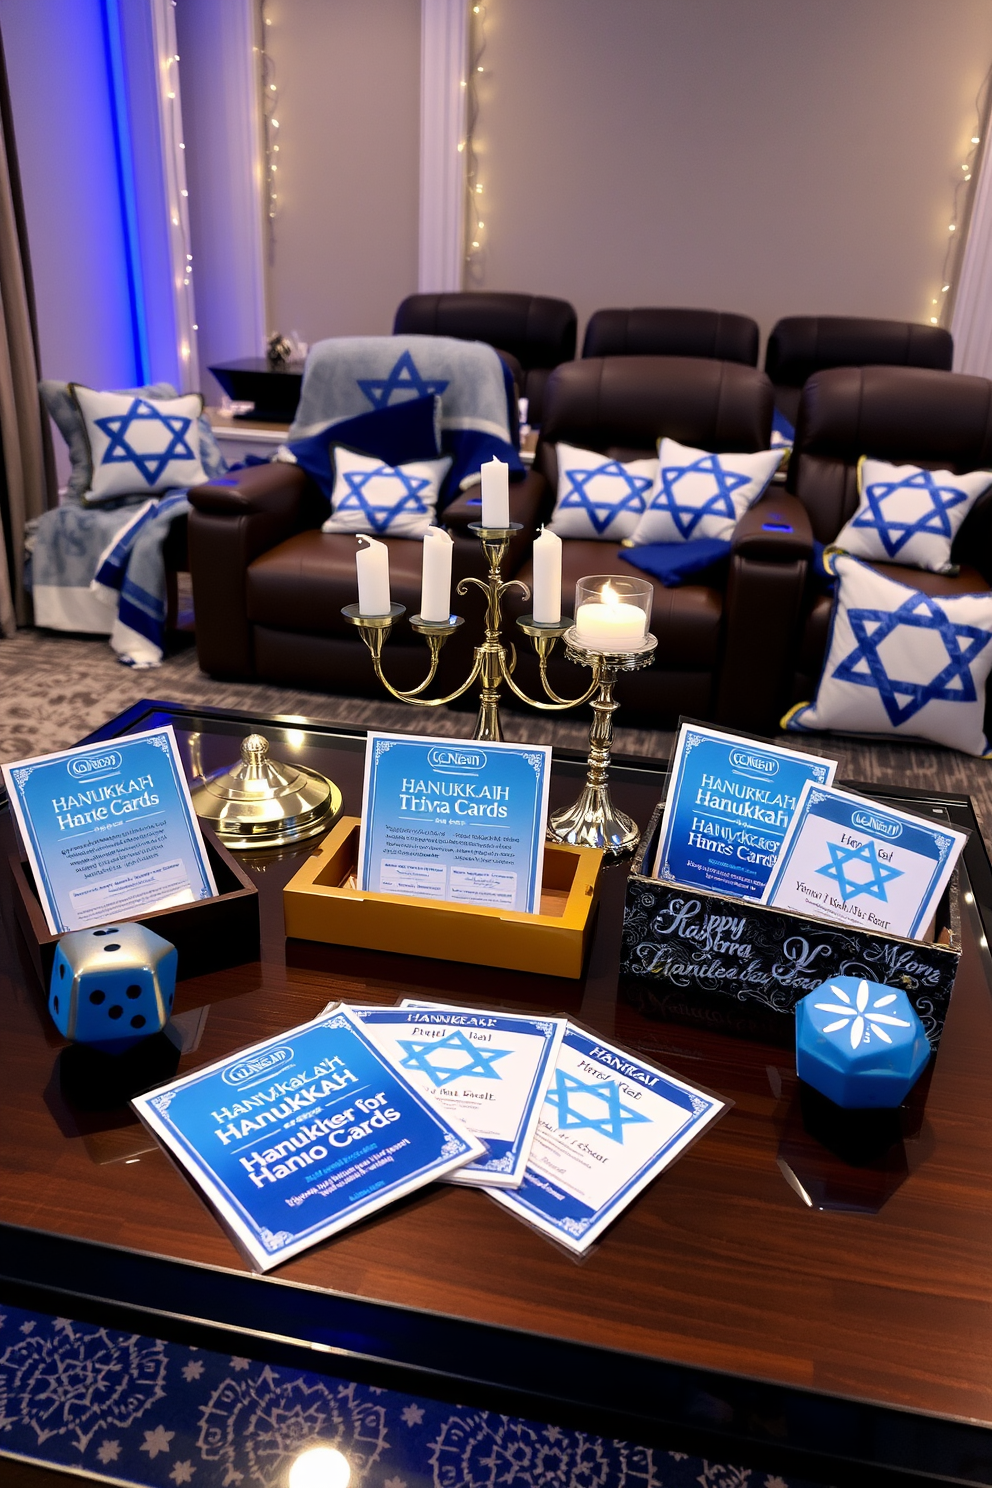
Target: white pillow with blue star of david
139, 446
385, 500
902, 662
598, 497
908, 515
700, 494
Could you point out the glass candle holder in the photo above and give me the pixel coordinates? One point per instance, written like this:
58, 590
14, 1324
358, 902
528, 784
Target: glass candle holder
612, 614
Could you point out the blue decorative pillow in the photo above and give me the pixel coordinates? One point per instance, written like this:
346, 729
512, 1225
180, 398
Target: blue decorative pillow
902, 662
599, 497
405, 431
371, 496
908, 515
673, 562
699, 494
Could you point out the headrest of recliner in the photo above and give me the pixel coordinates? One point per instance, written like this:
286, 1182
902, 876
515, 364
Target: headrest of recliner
672, 332
538, 331
800, 345
908, 415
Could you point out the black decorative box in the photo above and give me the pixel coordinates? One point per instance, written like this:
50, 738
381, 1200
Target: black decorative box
275, 391
209, 935
738, 967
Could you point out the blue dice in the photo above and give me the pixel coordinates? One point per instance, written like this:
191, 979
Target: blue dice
112, 986
859, 1043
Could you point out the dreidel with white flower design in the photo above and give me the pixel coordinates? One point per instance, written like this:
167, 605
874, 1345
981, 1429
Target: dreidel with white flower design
859, 1043
112, 986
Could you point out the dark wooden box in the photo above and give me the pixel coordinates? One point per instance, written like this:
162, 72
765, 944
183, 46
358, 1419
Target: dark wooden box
738, 967
209, 935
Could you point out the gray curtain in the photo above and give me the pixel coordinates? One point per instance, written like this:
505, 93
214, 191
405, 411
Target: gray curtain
27, 484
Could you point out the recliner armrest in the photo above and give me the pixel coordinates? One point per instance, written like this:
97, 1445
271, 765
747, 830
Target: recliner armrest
776, 529
275, 489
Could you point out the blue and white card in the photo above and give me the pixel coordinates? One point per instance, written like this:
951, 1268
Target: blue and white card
110, 830
302, 1135
490, 1071
849, 859
609, 1125
730, 803
454, 819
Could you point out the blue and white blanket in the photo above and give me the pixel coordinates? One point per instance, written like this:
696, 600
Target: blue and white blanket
102, 570
348, 375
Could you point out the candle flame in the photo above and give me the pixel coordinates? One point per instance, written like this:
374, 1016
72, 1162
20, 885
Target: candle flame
608, 595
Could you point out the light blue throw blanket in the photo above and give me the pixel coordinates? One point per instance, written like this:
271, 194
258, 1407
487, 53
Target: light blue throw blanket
348, 375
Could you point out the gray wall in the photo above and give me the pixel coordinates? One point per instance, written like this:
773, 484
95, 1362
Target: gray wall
348, 74
767, 156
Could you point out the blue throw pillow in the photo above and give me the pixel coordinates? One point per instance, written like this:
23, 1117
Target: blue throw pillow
396, 435
673, 562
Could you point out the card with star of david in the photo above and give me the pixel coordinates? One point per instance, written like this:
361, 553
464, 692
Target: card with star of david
488, 1070
610, 1123
849, 859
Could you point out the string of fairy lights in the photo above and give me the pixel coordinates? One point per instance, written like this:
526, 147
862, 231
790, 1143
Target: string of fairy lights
475, 209
270, 130
942, 304
177, 188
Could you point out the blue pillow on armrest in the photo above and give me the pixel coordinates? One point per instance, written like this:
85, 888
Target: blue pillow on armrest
396, 435
672, 562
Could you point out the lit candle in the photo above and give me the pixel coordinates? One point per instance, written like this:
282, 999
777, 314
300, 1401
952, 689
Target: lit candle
435, 593
547, 577
495, 494
372, 563
609, 624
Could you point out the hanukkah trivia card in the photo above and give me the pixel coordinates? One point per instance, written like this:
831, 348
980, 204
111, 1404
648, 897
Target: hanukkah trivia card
730, 803
848, 859
609, 1125
454, 819
489, 1070
304, 1134
109, 829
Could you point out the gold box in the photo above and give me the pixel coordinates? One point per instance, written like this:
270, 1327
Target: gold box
321, 902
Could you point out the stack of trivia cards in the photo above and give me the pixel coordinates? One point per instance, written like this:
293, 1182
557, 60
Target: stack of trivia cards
573, 1126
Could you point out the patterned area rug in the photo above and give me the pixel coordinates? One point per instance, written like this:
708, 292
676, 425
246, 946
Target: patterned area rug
54, 689
120, 1408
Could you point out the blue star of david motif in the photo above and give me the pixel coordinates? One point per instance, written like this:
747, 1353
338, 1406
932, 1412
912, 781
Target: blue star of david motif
895, 533
579, 497
953, 684
720, 503
850, 888
150, 463
476, 1063
404, 379
608, 1116
381, 514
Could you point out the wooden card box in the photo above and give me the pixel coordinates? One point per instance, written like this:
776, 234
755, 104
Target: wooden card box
734, 966
319, 905
209, 935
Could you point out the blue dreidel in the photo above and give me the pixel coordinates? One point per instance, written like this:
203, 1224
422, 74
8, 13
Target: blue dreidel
859, 1043
112, 986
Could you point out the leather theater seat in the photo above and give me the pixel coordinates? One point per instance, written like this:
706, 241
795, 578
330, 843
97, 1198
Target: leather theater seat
800, 345
906, 415
724, 639
672, 332
539, 332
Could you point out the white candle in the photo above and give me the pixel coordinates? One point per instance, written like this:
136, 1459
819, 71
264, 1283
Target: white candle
547, 577
495, 494
435, 592
609, 624
372, 563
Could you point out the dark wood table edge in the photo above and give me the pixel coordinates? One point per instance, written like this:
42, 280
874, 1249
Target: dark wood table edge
656, 1402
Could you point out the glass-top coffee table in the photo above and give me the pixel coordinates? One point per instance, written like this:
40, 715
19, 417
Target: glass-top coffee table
830, 1318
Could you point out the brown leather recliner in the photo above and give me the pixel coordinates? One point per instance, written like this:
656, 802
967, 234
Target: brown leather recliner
269, 586
906, 415
657, 331
539, 332
724, 640
800, 345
